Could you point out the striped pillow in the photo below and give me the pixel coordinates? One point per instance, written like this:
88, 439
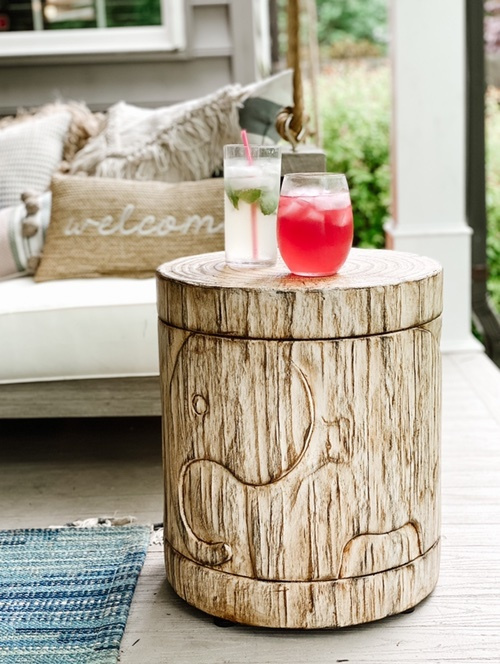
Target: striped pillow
22, 236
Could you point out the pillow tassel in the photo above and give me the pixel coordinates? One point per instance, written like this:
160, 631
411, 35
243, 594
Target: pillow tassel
29, 226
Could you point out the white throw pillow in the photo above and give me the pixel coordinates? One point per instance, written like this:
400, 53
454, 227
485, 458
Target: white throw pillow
30, 152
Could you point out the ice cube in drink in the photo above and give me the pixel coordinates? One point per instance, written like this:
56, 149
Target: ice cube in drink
315, 231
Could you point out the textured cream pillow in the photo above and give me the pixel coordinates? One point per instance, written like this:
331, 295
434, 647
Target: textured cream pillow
172, 144
30, 152
106, 227
184, 141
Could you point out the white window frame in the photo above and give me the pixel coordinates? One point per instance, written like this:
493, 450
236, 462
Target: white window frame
171, 36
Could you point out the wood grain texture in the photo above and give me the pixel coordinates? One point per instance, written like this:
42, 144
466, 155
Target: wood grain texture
376, 291
299, 462
303, 605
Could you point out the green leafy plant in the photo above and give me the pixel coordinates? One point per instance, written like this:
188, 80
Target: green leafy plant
346, 28
352, 20
355, 109
493, 192
355, 112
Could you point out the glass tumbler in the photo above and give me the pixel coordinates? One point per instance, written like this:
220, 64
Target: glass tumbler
315, 223
251, 185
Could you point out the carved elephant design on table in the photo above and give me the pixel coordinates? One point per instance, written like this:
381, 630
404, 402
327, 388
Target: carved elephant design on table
301, 460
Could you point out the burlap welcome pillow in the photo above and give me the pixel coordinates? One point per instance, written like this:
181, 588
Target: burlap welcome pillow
107, 227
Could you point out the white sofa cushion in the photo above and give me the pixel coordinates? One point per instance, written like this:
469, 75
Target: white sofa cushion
77, 328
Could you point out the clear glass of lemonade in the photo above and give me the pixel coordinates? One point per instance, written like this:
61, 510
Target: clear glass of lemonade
251, 184
315, 223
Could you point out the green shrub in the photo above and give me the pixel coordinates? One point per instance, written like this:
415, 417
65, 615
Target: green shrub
355, 114
355, 111
354, 20
346, 28
493, 192
350, 48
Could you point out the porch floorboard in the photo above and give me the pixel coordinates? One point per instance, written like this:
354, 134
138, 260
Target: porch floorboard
56, 471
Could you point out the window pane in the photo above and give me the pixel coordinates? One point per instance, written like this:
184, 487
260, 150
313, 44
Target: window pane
121, 13
16, 15
68, 14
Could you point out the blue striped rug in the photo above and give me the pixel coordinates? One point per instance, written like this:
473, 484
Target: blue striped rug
65, 593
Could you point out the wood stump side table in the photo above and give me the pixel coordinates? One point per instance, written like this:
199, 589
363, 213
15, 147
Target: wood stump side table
301, 428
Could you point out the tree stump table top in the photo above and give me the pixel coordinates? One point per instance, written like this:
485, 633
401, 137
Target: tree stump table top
376, 291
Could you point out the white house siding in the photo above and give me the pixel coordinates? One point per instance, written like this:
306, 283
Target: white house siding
227, 42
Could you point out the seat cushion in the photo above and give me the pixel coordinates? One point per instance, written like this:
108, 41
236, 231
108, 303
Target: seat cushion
77, 328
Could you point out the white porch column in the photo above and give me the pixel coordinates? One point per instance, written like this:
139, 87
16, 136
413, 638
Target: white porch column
428, 150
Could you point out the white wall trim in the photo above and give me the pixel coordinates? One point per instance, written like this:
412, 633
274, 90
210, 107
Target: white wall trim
418, 231
451, 248
170, 36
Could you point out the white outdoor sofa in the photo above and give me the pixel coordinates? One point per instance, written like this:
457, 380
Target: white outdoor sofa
78, 347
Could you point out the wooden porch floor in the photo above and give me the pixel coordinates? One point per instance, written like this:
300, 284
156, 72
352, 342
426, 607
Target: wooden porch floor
52, 472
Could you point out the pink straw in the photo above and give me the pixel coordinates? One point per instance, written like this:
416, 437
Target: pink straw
244, 138
253, 208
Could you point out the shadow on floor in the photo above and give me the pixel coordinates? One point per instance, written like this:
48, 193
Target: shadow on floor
81, 437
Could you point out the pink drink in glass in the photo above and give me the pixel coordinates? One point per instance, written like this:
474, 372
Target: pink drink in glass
315, 229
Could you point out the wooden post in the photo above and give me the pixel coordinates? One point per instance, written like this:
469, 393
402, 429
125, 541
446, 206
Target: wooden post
301, 428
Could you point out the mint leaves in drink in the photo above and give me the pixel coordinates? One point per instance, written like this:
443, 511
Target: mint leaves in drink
268, 200
249, 195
